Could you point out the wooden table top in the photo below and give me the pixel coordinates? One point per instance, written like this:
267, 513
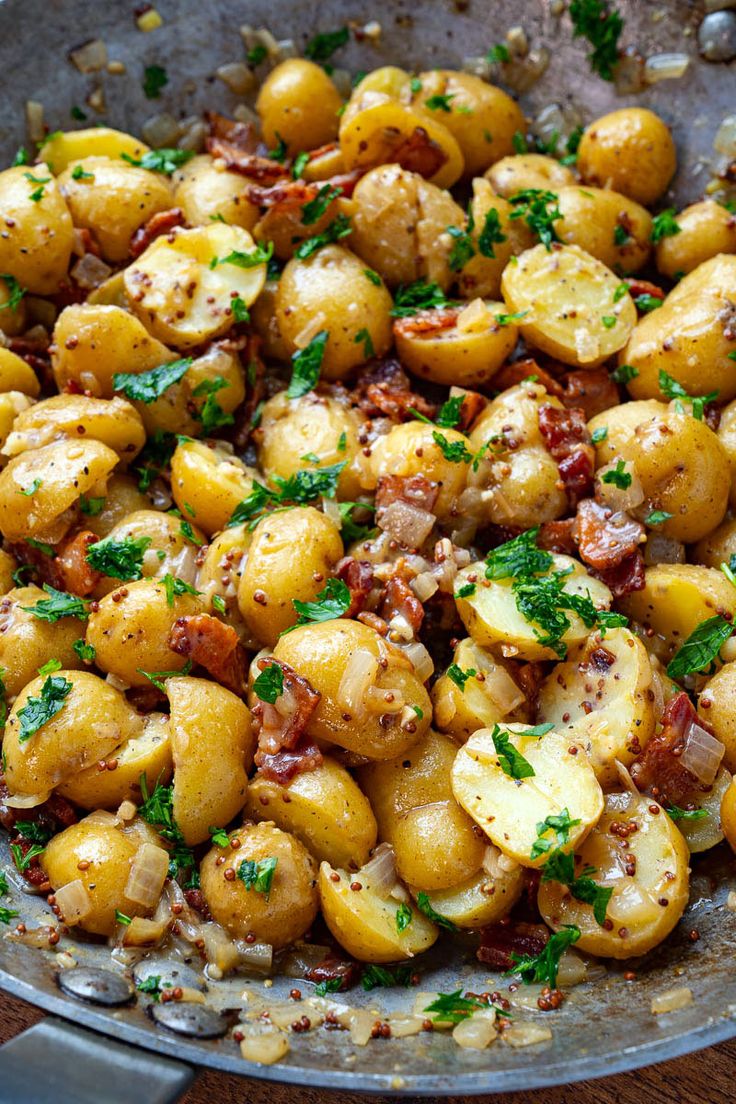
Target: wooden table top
706, 1078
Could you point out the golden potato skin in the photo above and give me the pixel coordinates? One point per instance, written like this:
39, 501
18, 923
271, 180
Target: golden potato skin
630, 150
324, 808
204, 191
63, 147
416, 777
298, 103
727, 437
677, 598
274, 576
147, 752
330, 291
516, 173
26, 642
287, 911
718, 546
462, 353
400, 226
93, 719
122, 497
132, 633
109, 854
213, 747
590, 218
728, 815
460, 713
481, 275
211, 480
114, 422
410, 449
717, 706
36, 243
320, 653
705, 230
118, 200
170, 552
16, 375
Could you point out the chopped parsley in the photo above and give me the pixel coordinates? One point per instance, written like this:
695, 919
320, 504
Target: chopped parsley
50, 667
77, 114
381, 977
329, 985
37, 194
602, 26
91, 507
261, 255
353, 530
15, 292
624, 373
316, 208
21, 157
539, 210
665, 225
491, 234
498, 53
299, 489
618, 476
155, 79
33, 831
323, 46
463, 249
511, 761
37, 711
306, 366
218, 603
404, 917
647, 303
151, 986
156, 809
450, 412
454, 1007
121, 918
269, 685
86, 652
300, 163
211, 414
32, 488
175, 588
621, 236
571, 146
505, 319
674, 812
165, 161
332, 601
561, 868
466, 590
454, 451
460, 677
219, 837
157, 678
440, 102
41, 546
557, 823
256, 55
519, 142
424, 905
367, 341
146, 387
519, 556
671, 389
598, 435
339, 228
419, 296
701, 647
118, 559
23, 861
621, 290
658, 517
58, 605
543, 968
543, 600
609, 321
372, 276
239, 309
258, 875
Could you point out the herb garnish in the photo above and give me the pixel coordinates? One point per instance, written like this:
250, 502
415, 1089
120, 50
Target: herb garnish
119, 559
165, 161
146, 387
37, 711
306, 365
332, 601
672, 389
594, 20
258, 875
543, 968
58, 605
701, 647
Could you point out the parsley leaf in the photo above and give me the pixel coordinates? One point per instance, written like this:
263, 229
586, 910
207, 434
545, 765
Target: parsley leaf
211, 414
261, 255
151, 986
498, 53
165, 161
175, 587
440, 102
157, 809
424, 905
91, 506
31, 490
306, 365
118, 559
647, 303
543, 968
658, 517
460, 677
404, 916
454, 451
339, 228
323, 46
239, 309
364, 336
258, 875
86, 652
300, 163
155, 79
219, 837
491, 234
454, 1007
121, 918
315, 208
463, 249
599, 434
381, 977
420, 295
519, 556
332, 601
157, 677
700, 648
558, 823
539, 210
269, 685
511, 761
561, 868
618, 476
674, 812
450, 412
15, 292
594, 20
672, 389
58, 605
37, 711
624, 373
156, 456
329, 985
23, 861
665, 225
148, 386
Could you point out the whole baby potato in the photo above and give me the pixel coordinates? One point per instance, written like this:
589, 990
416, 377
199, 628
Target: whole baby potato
206, 192
27, 641
718, 546
677, 598
522, 171
330, 292
64, 146
114, 422
481, 274
411, 449
704, 230
717, 706
299, 104
281, 914
274, 576
630, 150
606, 224
36, 242
171, 551
209, 480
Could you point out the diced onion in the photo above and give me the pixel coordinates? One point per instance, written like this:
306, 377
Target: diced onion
476, 1032
359, 1022
628, 75
141, 932
499, 686
384, 699
403, 1026
523, 1034
672, 999
420, 660
25, 801
89, 271
380, 871
331, 509
102, 817
361, 672
702, 754
161, 130
148, 873
406, 523
665, 67
572, 970
424, 586
193, 134
188, 924
725, 139
474, 318
731, 900
266, 1047
237, 77
220, 950
660, 549
90, 57
73, 901
312, 328
619, 498
496, 863
35, 124
256, 956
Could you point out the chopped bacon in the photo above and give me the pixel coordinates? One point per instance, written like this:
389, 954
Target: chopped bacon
295, 193
242, 135
284, 749
85, 242
383, 388
146, 699
499, 941
417, 490
58, 809
643, 287
398, 599
604, 538
566, 436
196, 900
556, 536
68, 570
160, 223
55, 813
251, 165
427, 321
513, 374
626, 577
332, 968
530, 677
473, 405
591, 390
658, 770
358, 577
213, 645
419, 153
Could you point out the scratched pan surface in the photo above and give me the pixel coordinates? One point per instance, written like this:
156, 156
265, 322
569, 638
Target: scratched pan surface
604, 1027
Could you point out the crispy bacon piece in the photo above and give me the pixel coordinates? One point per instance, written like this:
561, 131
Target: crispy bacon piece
512, 374
85, 242
417, 490
251, 165
556, 536
591, 390
499, 941
332, 968
530, 677
427, 321
196, 900
55, 813
419, 153
473, 405
160, 223
643, 287
358, 577
68, 570
626, 577
398, 598
566, 436
242, 135
658, 769
604, 538
383, 389
284, 749
213, 645
295, 193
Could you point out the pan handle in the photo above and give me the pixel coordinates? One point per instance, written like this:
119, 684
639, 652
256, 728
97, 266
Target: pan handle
56, 1061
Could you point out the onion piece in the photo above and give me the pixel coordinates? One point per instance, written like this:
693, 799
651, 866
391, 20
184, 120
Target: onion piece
267, 1046
420, 660
25, 801
189, 926
148, 873
406, 523
476, 1032
526, 1033
256, 956
380, 870
141, 932
90, 57
660, 67
35, 124
660, 549
619, 498
161, 130
498, 685
237, 77
220, 950
424, 586
89, 271
360, 674
73, 901
702, 754
725, 139
671, 1000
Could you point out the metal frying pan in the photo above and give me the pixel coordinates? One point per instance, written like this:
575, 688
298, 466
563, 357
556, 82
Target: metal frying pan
604, 1027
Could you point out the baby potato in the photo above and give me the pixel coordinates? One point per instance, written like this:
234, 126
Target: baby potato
400, 226
727, 437
110, 293
222, 568
36, 243
565, 295
677, 598
630, 150
264, 323
26, 641
16, 374
131, 635
206, 192
82, 332
283, 224
298, 104
273, 577
113, 199
323, 808
639, 919
122, 497
330, 291
484, 898
183, 285
179, 409
682, 466
705, 230
493, 619
281, 914
8, 565
147, 751
706, 831
482, 118
417, 777
521, 171
63, 147
717, 706
13, 317
718, 546
328, 652
488, 696
93, 719
12, 403
364, 921
63, 470
410, 449
114, 422
603, 698
105, 854
690, 336
463, 347
212, 746
377, 129
322, 426
481, 274
594, 218
210, 480
170, 552
436, 846
510, 809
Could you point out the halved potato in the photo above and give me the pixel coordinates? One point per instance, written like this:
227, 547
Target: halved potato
704, 832
677, 598
602, 696
568, 300
646, 904
210, 480
115, 422
456, 346
483, 898
365, 923
509, 809
116, 777
488, 696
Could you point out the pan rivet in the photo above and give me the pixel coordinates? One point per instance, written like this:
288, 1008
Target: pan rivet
88, 983
195, 1020
717, 36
